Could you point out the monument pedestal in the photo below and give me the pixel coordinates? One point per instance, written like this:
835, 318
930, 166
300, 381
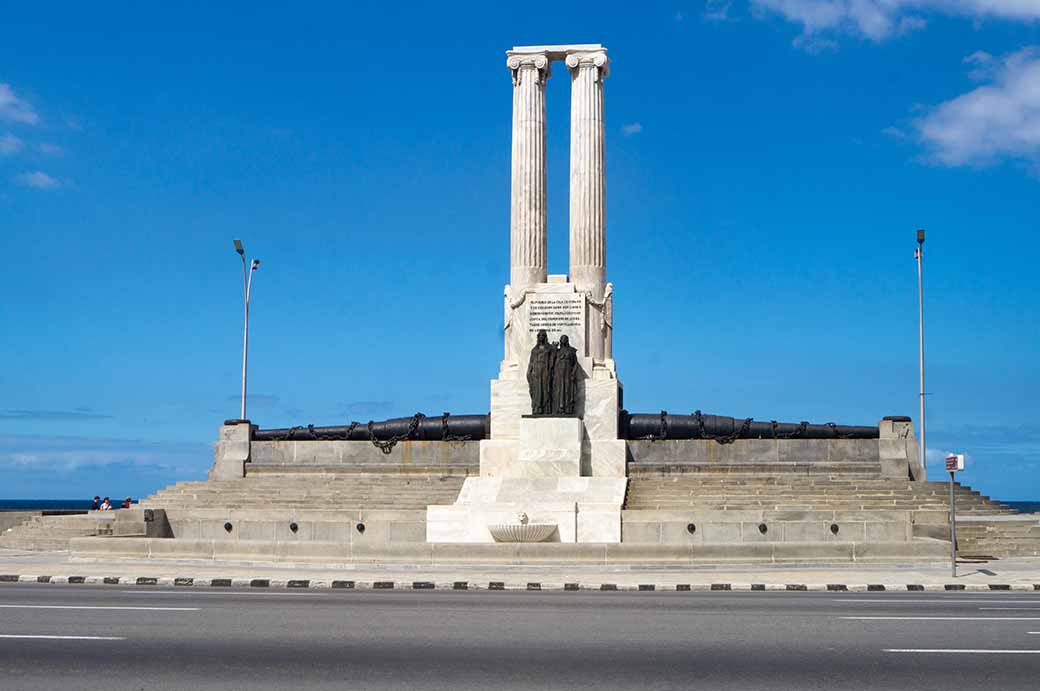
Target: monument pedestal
539, 475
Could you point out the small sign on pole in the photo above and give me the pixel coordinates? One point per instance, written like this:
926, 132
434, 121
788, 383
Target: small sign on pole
954, 463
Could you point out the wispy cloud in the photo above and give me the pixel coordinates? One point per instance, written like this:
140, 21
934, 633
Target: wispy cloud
631, 129
48, 149
877, 20
37, 179
53, 415
15, 109
10, 144
997, 121
65, 453
997, 444
717, 10
894, 132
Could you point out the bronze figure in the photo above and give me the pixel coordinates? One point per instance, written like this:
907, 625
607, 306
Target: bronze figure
565, 378
540, 375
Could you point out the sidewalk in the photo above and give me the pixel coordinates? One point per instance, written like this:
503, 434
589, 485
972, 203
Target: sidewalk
59, 567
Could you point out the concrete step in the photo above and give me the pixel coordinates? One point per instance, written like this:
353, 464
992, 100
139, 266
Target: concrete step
532, 554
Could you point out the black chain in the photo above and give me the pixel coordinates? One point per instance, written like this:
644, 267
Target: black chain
387, 445
451, 437
740, 432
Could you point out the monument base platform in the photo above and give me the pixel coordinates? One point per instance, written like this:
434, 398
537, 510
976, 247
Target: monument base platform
584, 509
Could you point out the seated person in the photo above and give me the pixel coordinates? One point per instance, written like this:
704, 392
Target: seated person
126, 503
106, 505
96, 504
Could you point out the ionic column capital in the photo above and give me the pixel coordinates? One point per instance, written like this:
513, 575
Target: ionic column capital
516, 62
595, 58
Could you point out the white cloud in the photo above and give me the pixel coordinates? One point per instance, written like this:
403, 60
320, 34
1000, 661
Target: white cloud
633, 128
24, 452
877, 20
48, 149
996, 121
894, 132
15, 109
10, 144
717, 10
38, 180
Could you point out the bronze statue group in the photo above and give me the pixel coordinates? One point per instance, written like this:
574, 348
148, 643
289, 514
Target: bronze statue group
552, 376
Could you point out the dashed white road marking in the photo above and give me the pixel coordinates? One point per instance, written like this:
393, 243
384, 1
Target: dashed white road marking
962, 651
194, 590
63, 638
944, 618
1032, 609
948, 600
123, 607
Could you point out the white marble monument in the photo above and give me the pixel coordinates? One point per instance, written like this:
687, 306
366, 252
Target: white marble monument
566, 470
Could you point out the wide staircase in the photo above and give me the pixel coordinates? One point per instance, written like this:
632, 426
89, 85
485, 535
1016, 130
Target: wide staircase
338, 492
707, 492
999, 536
46, 533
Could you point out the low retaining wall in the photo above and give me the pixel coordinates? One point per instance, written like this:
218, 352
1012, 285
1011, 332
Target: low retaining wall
10, 519
719, 527
363, 527
519, 554
882, 458
421, 456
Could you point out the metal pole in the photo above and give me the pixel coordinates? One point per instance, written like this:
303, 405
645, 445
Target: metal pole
953, 529
919, 255
247, 276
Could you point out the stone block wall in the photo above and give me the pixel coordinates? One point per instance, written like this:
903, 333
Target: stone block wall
452, 457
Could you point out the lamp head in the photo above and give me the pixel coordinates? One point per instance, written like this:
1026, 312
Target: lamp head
238, 247
256, 264
920, 236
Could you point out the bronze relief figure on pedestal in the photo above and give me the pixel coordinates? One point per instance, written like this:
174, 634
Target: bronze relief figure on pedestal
539, 375
565, 378
552, 377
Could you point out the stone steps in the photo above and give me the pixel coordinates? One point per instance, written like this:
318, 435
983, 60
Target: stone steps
358, 490
46, 533
1001, 537
702, 493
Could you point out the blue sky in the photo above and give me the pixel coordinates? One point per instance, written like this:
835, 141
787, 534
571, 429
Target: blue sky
768, 163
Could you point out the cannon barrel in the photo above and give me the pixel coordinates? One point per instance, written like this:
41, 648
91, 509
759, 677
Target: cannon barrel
661, 425
721, 428
418, 428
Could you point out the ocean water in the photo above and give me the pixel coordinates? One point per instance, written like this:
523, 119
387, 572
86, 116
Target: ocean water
50, 504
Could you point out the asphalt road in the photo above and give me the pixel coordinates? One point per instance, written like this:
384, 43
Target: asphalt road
166, 638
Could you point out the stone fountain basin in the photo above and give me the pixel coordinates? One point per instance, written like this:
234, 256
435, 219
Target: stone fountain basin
521, 532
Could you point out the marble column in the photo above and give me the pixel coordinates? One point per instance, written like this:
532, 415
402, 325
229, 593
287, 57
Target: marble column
527, 209
588, 223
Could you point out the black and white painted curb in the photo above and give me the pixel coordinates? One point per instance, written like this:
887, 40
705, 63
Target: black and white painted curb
540, 586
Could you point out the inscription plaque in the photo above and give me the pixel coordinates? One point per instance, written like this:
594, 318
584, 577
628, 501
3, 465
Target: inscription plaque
555, 313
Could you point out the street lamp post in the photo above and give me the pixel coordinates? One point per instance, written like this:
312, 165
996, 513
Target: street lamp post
247, 283
919, 256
